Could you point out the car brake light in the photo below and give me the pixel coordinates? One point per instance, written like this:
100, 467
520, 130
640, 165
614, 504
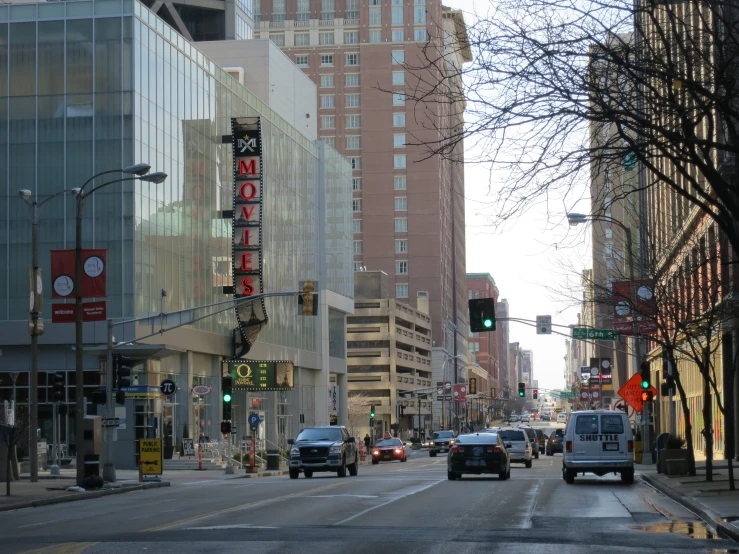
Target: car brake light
493, 449
457, 449
554, 440
631, 446
568, 445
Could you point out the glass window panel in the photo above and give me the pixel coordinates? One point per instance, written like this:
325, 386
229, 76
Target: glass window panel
400, 182
419, 14
79, 56
420, 35
398, 77
356, 225
398, 56
375, 15
396, 15
401, 204
327, 81
302, 39
3, 68
398, 35
51, 57
375, 35
398, 120
22, 59
351, 79
399, 140
401, 290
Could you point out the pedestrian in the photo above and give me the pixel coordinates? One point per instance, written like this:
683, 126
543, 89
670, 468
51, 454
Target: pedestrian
367, 441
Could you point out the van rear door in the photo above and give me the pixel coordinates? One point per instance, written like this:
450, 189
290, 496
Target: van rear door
614, 437
586, 444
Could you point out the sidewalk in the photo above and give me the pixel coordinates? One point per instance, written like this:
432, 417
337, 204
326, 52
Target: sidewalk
712, 501
52, 490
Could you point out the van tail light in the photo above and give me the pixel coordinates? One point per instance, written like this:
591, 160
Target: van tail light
457, 449
494, 449
631, 446
568, 445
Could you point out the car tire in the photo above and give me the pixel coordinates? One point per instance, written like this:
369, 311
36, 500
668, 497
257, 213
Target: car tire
528, 464
294, 474
432, 453
570, 476
375, 462
354, 468
536, 455
627, 476
405, 459
451, 476
342, 470
503, 475
508, 474
308, 473
548, 453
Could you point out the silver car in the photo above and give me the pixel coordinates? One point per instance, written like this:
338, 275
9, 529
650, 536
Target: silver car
516, 443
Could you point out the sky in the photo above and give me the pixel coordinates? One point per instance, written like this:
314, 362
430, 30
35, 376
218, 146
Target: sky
535, 259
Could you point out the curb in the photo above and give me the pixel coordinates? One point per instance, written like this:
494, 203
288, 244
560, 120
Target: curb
81, 496
272, 473
694, 506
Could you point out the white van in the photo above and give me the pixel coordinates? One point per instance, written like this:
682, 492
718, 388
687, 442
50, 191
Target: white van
561, 418
600, 442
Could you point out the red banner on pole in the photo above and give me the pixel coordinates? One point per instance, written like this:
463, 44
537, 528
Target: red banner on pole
634, 300
93, 273
91, 311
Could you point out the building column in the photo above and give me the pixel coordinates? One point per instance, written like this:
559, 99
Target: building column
343, 384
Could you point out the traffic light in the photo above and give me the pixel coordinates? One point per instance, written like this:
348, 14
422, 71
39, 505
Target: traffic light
482, 314
225, 427
492, 392
122, 368
536, 394
98, 397
57, 388
372, 411
227, 392
522, 389
647, 396
644, 375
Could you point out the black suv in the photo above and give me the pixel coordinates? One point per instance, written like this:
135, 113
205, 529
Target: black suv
555, 442
327, 448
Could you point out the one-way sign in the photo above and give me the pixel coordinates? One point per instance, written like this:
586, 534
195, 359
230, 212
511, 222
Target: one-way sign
111, 422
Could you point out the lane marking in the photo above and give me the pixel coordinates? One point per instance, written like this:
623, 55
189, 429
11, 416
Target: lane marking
64, 548
40, 523
239, 507
341, 496
394, 499
526, 524
239, 526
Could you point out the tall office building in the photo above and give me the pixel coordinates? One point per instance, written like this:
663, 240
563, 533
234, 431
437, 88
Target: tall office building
408, 209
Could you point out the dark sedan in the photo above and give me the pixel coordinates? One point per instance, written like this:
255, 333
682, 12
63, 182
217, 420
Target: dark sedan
555, 442
541, 439
388, 450
476, 454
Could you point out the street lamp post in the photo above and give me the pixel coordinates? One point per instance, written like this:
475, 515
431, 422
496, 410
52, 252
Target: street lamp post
25, 194
141, 172
575, 219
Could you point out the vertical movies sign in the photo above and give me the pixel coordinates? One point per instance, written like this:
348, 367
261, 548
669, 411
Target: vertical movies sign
247, 228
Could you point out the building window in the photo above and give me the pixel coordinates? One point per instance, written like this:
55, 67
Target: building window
302, 39
401, 182
399, 161
304, 8
327, 60
375, 15
474, 347
351, 37
401, 224
356, 225
327, 100
356, 163
329, 141
401, 290
352, 122
398, 120
328, 122
327, 81
352, 9
608, 233
352, 143
398, 98
401, 246
257, 11
356, 183
375, 35
278, 40
357, 266
326, 38
327, 9
398, 77
401, 204
398, 56
243, 29
357, 246
420, 35
356, 205
401, 268
351, 79
301, 61
398, 35
419, 14
246, 7
396, 15
399, 141
352, 100
352, 59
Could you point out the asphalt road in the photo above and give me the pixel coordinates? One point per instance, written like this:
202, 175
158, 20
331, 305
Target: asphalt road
394, 507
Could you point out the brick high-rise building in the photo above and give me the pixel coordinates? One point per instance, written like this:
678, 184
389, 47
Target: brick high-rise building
408, 207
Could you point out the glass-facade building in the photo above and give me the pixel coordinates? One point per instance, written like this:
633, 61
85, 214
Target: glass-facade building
88, 87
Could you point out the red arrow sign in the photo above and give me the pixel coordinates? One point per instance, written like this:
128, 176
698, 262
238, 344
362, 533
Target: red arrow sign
631, 392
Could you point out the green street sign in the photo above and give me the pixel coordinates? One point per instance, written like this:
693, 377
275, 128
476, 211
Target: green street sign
568, 395
594, 334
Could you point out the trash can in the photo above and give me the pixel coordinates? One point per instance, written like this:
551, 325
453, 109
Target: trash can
92, 465
273, 459
661, 441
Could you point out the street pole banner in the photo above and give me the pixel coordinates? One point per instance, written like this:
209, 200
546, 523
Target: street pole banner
93, 273
247, 213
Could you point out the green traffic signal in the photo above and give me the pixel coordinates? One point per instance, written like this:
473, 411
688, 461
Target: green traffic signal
488, 323
227, 397
644, 384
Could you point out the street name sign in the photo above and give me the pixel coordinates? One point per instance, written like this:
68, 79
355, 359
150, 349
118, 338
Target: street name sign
595, 334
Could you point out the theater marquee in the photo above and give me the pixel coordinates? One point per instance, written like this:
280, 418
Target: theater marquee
247, 229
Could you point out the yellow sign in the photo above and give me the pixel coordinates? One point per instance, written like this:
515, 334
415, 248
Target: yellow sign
150, 457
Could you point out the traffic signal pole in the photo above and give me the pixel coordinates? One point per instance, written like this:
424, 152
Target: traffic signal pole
108, 465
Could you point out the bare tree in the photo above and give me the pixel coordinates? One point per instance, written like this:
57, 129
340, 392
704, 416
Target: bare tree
359, 412
12, 434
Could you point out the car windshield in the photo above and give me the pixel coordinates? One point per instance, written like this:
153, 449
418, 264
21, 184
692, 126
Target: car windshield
444, 435
393, 442
512, 435
319, 435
